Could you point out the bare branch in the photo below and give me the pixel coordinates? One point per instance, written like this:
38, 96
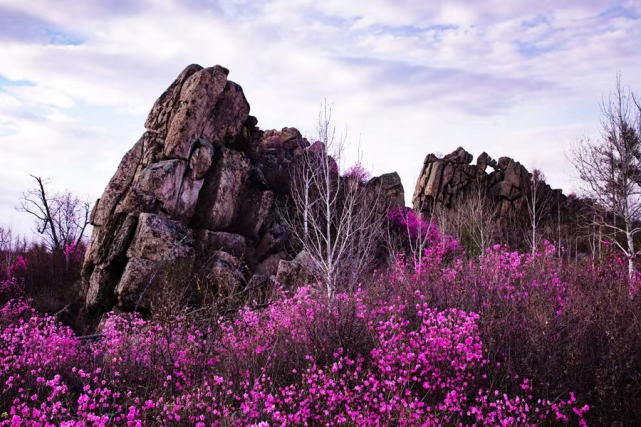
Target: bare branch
338, 219
61, 218
611, 167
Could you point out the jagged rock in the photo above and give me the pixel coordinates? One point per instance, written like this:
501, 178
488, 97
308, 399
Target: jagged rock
459, 156
187, 199
251, 122
199, 188
483, 162
208, 107
217, 207
201, 159
110, 242
276, 154
102, 283
434, 179
508, 191
164, 107
273, 239
209, 242
430, 158
160, 247
452, 178
515, 174
258, 281
158, 184
448, 174
119, 184
291, 275
121, 242
429, 183
226, 270
143, 278
137, 275
161, 239
269, 266
295, 273
253, 211
391, 188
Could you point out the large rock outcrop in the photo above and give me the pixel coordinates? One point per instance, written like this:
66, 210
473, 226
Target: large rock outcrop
197, 190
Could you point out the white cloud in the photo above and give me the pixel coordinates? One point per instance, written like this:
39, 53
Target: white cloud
409, 77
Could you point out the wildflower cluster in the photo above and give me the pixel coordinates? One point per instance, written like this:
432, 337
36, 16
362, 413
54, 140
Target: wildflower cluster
503, 340
12, 285
300, 362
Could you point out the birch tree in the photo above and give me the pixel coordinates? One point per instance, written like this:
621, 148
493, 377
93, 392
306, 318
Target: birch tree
479, 219
338, 219
610, 168
538, 205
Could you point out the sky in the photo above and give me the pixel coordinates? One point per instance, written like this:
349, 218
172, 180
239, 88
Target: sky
405, 78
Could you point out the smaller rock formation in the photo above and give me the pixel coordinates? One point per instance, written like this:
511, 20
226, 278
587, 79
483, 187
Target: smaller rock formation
391, 188
296, 272
443, 181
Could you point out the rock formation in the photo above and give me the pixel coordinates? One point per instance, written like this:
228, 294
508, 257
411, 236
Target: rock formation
197, 189
443, 181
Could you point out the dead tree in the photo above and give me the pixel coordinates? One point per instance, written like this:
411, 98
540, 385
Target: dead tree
61, 217
337, 221
538, 203
611, 169
479, 219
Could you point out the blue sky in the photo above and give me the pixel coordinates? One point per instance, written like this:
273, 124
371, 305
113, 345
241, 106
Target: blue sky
520, 78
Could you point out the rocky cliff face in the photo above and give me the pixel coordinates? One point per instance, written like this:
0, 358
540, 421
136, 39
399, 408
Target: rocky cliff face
200, 184
445, 180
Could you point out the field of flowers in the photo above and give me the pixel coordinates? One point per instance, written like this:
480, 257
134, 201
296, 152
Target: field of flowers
506, 339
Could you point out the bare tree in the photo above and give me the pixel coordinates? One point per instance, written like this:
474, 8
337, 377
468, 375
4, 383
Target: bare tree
417, 232
559, 240
611, 168
338, 221
538, 204
61, 217
421, 237
479, 219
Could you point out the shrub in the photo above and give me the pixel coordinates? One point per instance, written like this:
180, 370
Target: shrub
507, 339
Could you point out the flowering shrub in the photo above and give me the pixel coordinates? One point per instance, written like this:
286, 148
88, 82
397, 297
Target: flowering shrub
358, 172
405, 219
507, 339
35, 353
419, 233
562, 326
424, 366
12, 286
18, 268
74, 253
